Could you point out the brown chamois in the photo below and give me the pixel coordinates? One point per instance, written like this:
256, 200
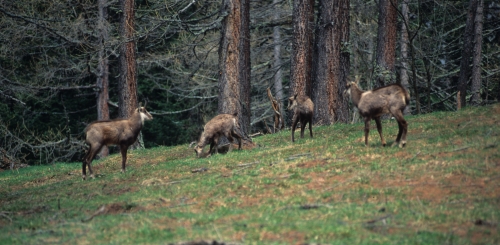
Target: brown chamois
221, 125
374, 103
120, 132
303, 108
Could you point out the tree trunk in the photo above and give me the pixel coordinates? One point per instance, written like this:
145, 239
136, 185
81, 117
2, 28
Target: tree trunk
326, 59
467, 50
278, 77
476, 59
386, 42
331, 62
403, 72
234, 62
127, 84
302, 47
342, 19
103, 70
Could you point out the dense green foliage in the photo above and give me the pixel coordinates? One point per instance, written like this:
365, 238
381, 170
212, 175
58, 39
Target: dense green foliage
442, 188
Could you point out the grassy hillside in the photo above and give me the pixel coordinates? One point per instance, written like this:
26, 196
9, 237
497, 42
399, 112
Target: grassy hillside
443, 188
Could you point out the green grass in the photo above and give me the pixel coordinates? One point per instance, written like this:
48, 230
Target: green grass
443, 188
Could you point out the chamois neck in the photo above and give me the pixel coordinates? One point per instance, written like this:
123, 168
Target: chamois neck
136, 120
356, 95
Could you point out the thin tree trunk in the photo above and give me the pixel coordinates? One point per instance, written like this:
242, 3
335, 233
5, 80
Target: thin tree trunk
465, 69
301, 57
403, 77
103, 69
278, 77
244, 69
127, 84
386, 42
476, 59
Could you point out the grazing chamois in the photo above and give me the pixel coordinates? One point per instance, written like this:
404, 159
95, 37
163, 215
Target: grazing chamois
120, 132
221, 125
303, 108
374, 103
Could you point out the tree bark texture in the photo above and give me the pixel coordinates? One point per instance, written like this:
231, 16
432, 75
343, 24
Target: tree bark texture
234, 62
278, 77
326, 58
331, 62
127, 84
102, 83
476, 59
468, 45
302, 47
342, 32
403, 72
386, 42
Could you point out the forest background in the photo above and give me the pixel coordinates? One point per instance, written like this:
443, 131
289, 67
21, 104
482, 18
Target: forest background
59, 60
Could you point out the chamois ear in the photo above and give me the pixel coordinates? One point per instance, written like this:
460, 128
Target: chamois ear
295, 96
145, 103
357, 78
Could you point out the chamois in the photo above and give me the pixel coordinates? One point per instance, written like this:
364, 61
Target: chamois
303, 108
221, 125
374, 103
120, 132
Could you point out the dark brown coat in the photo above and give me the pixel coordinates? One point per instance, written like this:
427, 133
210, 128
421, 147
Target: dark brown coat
221, 125
303, 111
374, 103
121, 132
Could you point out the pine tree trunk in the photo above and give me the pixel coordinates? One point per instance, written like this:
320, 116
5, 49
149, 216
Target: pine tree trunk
301, 57
342, 19
278, 77
465, 69
324, 70
403, 72
127, 84
234, 62
103, 69
386, 42
476, 59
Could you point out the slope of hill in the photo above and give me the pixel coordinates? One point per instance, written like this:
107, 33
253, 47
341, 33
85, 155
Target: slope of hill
442, 188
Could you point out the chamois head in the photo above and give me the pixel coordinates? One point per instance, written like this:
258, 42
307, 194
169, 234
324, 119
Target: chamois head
145, 116
292, 102
351, 85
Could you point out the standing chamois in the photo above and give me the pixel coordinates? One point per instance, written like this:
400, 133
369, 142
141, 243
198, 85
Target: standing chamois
120, 132
221, 125
374, 103
303, 108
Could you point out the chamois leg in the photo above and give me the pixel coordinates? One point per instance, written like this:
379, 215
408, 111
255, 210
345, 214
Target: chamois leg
367, 129
303, 122
310, 127
216, 145
230, 139
400, 132
238, 138
403, 128
379, 128
294, 125
123, 150
94, 149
